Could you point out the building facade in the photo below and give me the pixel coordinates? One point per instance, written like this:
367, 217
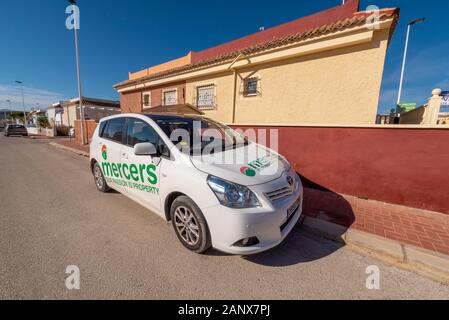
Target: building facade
65, 113
321, 69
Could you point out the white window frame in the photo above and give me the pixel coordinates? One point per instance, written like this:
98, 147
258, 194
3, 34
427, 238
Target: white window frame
147, 93
167, 91
214, 102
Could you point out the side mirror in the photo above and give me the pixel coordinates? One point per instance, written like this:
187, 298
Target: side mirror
145, 149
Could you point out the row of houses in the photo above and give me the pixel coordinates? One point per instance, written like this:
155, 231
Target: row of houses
65, 113
320, 69
325, 68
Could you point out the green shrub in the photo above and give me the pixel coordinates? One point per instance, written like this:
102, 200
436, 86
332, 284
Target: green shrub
43, 122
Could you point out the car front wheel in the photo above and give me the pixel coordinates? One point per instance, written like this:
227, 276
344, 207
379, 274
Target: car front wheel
190, 225
100, 181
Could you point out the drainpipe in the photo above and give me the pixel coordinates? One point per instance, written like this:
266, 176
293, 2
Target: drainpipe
234, 98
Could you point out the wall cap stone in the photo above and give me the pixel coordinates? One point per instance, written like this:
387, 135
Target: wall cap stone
308, 125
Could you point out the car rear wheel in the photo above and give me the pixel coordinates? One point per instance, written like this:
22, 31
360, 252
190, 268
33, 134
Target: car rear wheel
100, 181
190, 225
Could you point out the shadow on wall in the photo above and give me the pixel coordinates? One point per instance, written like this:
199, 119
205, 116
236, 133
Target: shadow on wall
301, 247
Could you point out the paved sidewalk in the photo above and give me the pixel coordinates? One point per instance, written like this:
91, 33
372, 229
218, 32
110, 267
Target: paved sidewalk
72, 146
75, 145
420, 228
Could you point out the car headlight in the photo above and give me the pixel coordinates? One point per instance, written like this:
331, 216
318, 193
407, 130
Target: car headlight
232, 195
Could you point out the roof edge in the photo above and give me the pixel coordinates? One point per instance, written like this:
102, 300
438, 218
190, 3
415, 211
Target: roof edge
358, 17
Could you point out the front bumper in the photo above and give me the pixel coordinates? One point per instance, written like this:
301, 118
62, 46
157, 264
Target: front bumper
269, 223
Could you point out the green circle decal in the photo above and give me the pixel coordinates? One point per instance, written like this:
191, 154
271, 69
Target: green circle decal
104, 152
247, 171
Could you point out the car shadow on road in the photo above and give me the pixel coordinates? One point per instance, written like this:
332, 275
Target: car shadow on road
299, 247
303, 246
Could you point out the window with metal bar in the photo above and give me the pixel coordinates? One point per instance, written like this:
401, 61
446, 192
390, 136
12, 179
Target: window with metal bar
147, 100
205, 97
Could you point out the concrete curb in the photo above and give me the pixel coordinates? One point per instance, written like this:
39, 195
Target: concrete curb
36, 137
73, 150
404, 253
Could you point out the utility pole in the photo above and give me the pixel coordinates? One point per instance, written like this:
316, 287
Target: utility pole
410, 24
80, 91
9, 104
23, 104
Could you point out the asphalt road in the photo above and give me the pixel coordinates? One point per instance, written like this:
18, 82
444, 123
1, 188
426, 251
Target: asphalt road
51, 216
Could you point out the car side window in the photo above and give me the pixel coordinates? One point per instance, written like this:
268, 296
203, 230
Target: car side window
114, 130
101, 129
140, 132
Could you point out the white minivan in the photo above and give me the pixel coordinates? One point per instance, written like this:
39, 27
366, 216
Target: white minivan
216, 187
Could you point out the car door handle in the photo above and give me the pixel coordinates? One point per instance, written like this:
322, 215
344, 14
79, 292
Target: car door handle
125, 156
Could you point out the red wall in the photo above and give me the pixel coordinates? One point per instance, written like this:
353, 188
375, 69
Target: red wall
396, 165
89, 129
300, 25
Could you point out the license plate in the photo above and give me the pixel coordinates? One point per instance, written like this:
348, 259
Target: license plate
291, 211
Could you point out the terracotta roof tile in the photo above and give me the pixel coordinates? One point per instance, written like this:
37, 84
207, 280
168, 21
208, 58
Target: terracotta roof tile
358, 18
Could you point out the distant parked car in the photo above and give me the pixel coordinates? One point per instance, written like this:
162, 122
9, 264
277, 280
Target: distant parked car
16, 130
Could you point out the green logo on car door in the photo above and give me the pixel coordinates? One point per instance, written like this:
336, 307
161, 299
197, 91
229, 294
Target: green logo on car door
104, 152
140, 177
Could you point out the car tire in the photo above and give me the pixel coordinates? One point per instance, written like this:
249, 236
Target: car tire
99, 179
190, 225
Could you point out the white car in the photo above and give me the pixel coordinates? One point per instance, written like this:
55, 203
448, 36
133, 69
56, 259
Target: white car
186, 169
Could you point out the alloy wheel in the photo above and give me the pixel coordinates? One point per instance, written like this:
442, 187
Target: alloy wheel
98, 178
187, 226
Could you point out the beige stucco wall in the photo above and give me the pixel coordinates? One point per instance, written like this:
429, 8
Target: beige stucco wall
416, 116
69, 116
339, 86
223, 92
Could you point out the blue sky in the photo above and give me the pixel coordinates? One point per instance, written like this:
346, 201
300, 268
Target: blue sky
121, 36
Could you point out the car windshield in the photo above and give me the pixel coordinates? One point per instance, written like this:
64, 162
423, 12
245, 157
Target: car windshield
197, 134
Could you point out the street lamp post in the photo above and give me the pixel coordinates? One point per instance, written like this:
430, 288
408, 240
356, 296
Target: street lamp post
80, 91
410, 24
9, 104
23, 103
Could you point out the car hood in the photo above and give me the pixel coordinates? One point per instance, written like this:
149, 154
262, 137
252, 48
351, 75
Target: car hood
249, 165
